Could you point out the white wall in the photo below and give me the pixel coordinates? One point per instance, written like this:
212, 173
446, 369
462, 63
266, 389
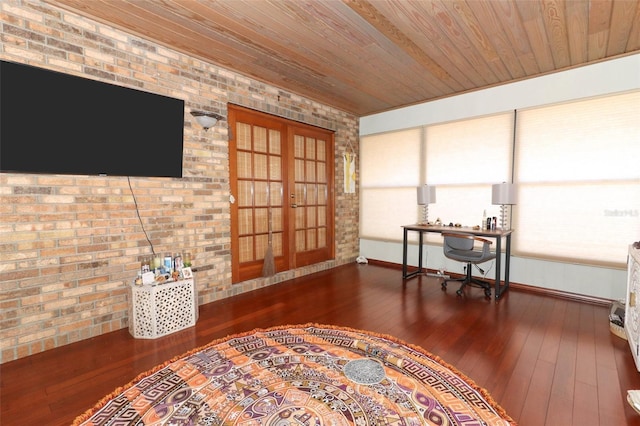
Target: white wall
614, 76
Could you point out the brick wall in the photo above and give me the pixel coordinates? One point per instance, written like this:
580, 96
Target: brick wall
70, 245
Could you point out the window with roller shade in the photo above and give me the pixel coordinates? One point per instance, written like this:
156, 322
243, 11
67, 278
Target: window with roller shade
463, 159
390, 172
578, 172
575, 165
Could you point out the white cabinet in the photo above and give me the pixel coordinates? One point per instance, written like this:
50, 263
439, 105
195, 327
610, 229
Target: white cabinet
632, 306
161, 309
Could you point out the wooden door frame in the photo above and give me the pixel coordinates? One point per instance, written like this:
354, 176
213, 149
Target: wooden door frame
315, 256
288, 260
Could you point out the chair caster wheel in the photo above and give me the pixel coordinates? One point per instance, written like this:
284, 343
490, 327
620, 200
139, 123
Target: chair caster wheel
443, 286
487, 293
459, 292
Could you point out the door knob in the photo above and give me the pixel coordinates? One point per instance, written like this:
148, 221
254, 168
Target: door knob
294, 205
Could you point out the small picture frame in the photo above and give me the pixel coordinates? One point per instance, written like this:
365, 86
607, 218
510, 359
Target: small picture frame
187, 273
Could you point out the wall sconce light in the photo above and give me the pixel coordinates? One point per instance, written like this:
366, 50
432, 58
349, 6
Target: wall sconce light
206, 119
426, 195
505, 194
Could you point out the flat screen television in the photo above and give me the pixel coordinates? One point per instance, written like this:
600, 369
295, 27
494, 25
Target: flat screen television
56, 123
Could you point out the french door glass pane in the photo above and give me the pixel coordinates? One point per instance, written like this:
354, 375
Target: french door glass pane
298, 146
261, 220
277, 244
243, 137
259, 139
275, 144
300, 240
322, 194
276, 217
322, 150
260, 170
322, 237
245, 191
275, 193
310, 175
310, 148
246, 249
311, 217
300, 218
311, 194
262, 242
260, 193
245, 221
244, 167
299, 166
311, 239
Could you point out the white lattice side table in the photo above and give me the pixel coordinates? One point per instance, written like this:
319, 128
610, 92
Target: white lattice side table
161, 309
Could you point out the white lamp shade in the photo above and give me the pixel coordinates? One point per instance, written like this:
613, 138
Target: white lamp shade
426, 194
504, 194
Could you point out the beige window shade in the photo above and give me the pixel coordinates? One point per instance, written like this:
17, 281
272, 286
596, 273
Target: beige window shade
579, 180
470, 152
385, 210
463, 159
390, 172
391, 159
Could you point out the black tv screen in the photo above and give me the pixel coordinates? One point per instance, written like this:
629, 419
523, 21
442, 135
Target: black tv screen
56, 123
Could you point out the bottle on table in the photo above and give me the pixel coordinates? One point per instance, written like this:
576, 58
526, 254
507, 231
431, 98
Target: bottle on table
168, 262
177, 262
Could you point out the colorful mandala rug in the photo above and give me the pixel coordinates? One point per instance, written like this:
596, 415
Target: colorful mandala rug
301, 375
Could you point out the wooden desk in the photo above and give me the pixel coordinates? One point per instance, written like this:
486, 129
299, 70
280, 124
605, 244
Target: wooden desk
497, 234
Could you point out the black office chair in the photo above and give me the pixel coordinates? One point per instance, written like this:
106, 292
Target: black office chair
460, 247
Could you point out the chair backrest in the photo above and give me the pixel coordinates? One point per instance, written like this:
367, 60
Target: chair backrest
461, 247
457, 243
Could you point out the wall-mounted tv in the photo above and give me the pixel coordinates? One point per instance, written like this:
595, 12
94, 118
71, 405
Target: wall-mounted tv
56, 123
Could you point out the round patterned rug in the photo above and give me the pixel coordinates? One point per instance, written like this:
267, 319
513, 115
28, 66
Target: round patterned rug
301, 375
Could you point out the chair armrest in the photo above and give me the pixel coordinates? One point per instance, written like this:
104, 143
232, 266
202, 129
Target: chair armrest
486, 244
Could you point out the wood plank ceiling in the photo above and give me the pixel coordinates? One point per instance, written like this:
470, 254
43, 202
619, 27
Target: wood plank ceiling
369, 56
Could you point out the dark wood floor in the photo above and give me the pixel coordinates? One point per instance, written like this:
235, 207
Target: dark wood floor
546, 360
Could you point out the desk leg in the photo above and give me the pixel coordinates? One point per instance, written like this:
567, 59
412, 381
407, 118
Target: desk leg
501, 289
497, 290
507, 263
404, 253
405, 244
420, 235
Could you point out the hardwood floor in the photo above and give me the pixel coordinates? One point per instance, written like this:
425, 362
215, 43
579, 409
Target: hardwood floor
546, 360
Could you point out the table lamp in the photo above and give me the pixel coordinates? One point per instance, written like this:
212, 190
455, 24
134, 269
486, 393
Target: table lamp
504, 194
426, 196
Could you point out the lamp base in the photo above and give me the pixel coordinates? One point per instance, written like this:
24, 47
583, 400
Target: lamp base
425, 214
504, 213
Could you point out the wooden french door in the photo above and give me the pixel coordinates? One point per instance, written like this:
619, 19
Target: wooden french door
282, 193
